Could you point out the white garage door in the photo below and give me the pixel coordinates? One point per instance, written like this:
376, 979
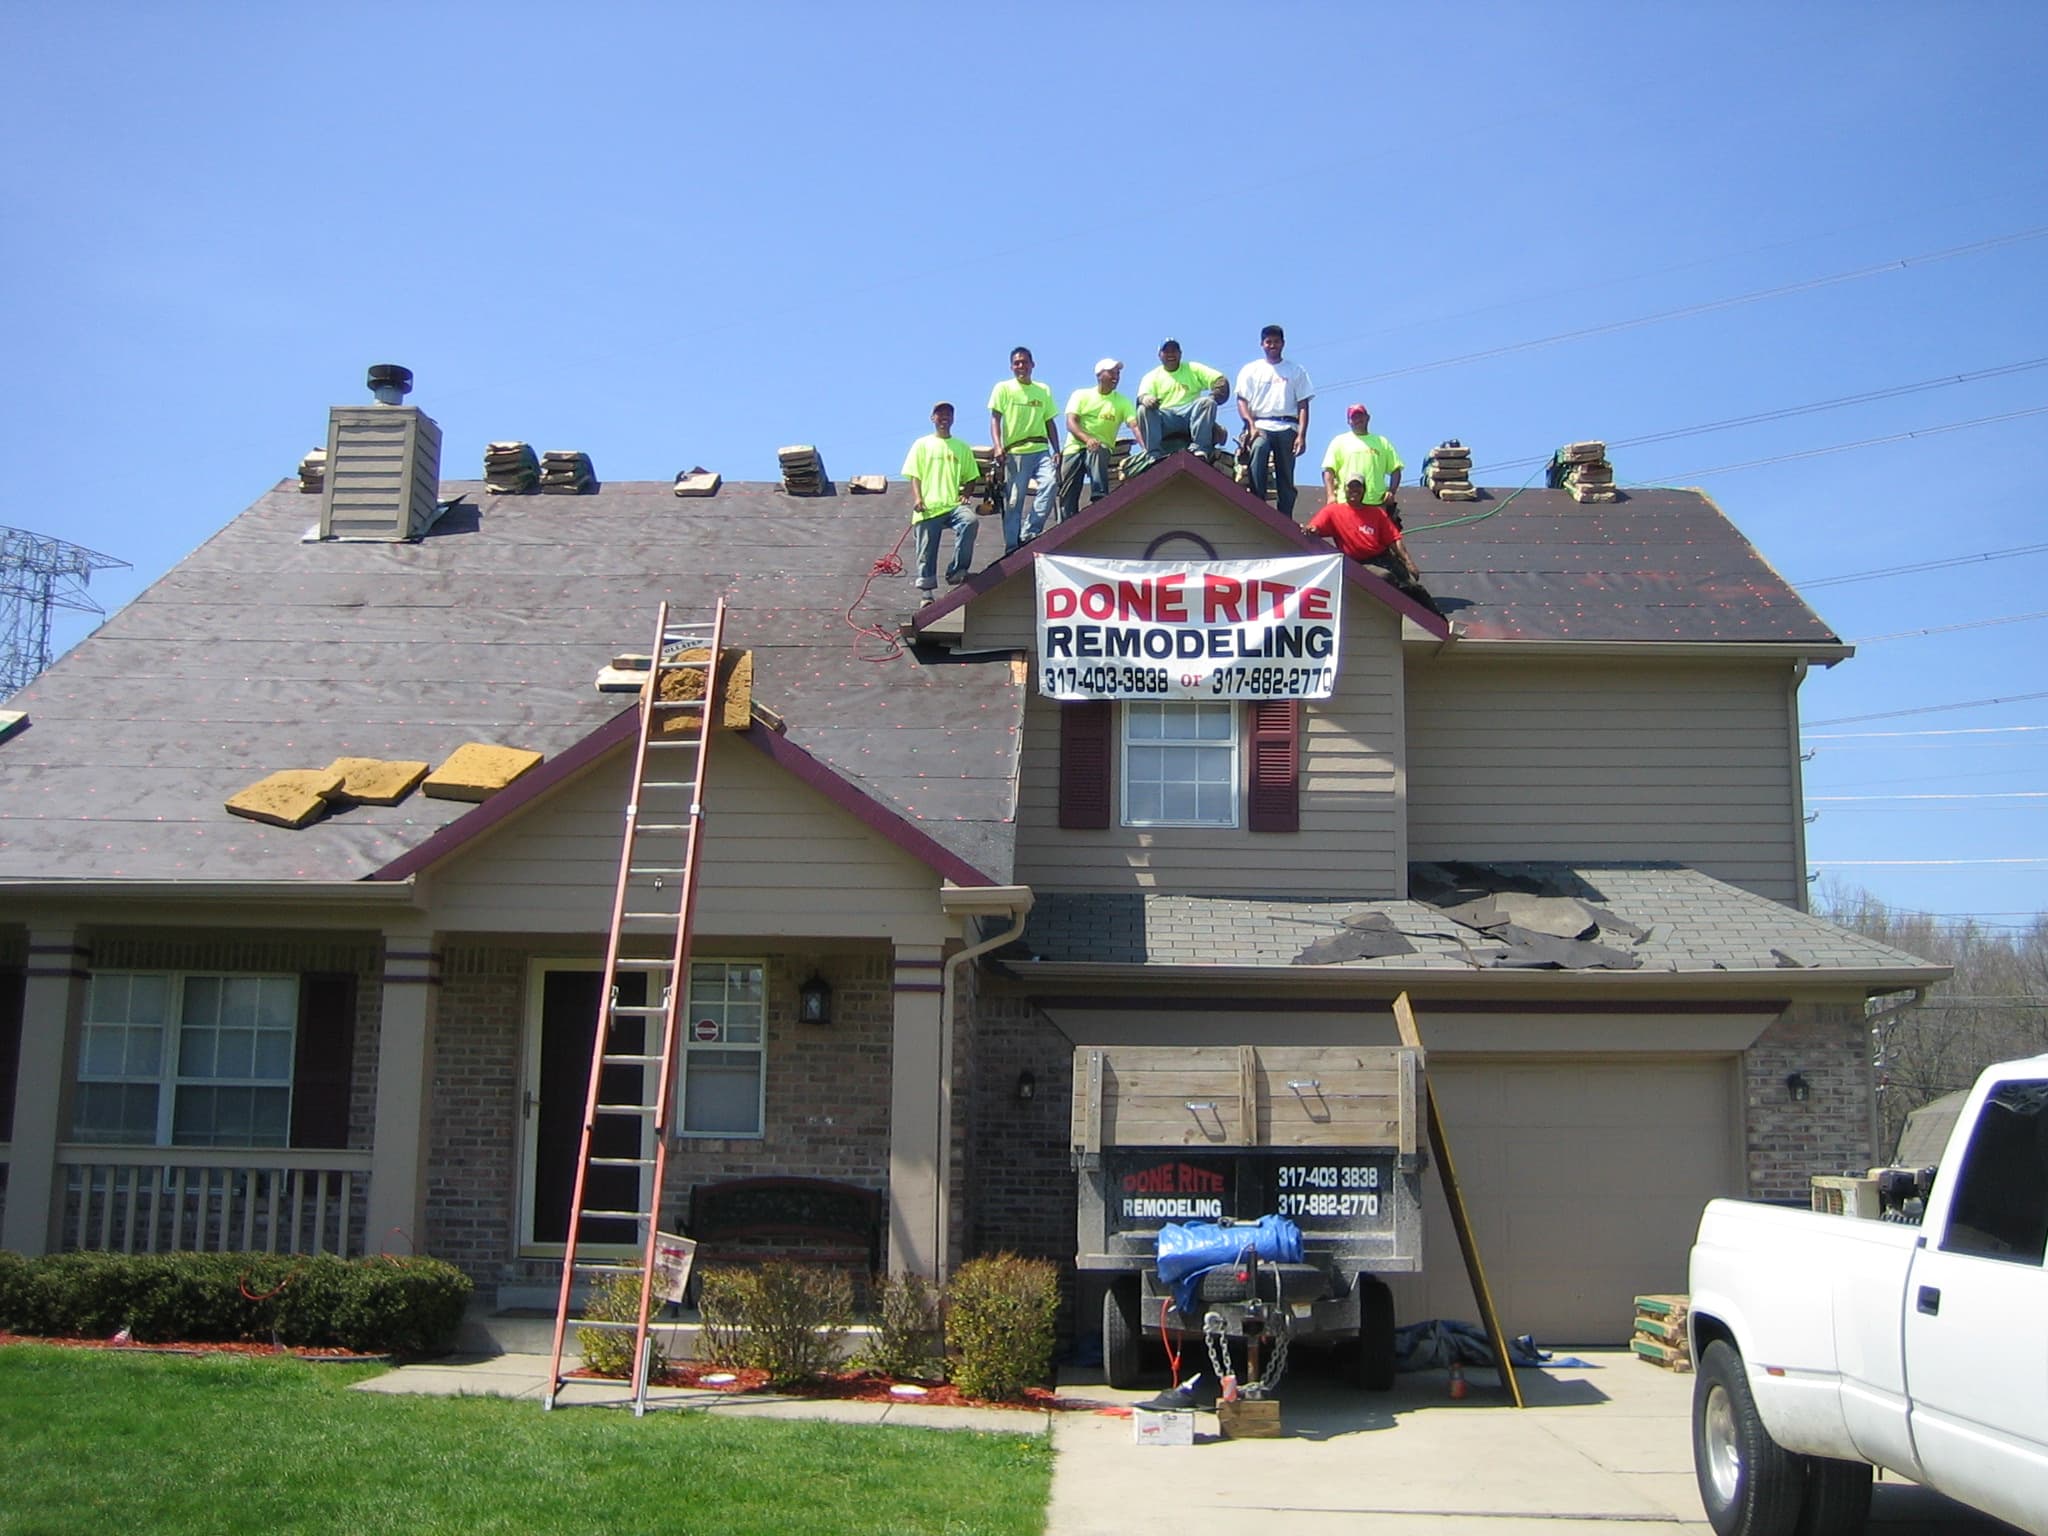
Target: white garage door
1584, 1180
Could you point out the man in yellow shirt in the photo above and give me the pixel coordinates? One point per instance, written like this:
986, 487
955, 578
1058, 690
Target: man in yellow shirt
1179, 397
939, 467
1093, 416
1365, 454
1020, 424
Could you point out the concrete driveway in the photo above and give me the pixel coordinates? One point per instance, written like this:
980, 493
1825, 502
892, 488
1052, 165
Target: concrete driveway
1599, 1446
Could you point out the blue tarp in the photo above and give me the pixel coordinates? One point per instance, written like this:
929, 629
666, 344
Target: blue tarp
1440, 1342
1189, 1250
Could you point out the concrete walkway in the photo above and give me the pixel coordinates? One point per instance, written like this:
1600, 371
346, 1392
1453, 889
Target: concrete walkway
1601, 1446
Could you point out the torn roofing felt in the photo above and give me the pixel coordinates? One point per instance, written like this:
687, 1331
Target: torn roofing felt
1646, 917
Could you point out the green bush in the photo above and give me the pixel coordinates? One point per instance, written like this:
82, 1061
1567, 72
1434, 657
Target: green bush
609, 1351
380, 1305
1000, 1313
906, 1339
783, 1318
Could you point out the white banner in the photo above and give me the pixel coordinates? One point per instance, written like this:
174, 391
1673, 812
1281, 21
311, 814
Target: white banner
1182, 629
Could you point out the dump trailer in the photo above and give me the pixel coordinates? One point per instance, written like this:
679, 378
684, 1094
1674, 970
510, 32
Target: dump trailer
1324, 1136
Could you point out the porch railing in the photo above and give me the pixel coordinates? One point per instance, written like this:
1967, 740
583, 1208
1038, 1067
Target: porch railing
205, 1200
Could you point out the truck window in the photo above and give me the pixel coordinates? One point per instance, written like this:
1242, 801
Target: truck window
2000, 1209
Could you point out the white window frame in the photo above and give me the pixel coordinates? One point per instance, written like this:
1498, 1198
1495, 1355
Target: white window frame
1235, 744
168, 1079
700, 1005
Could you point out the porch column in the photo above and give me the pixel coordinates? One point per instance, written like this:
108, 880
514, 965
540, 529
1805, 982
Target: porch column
405, 1082
53, 1003
914, 1119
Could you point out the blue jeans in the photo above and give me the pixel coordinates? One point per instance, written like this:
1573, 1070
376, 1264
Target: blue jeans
927, 531
1273, 451
1091, 464
1018, 470
1196, 418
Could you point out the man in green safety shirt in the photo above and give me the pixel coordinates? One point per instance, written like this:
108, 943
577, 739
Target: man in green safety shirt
939, 467
1363, 453
1094, 413
1021, 416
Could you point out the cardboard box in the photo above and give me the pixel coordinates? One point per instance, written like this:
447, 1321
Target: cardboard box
1153, 1426
1249, 1418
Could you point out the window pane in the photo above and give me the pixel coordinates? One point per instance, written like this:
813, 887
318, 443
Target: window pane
273, 1056
106, 997
1142, 722
271, 1120
2001, 1198
235, 1056
104, 1051
1177, 802
1214, 722
722, 1093
149, 999
277, 1003
238, 1001
202, 1000
1142, 803
114, 1112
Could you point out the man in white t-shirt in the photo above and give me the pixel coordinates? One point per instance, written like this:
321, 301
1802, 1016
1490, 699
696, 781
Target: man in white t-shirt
1272, 397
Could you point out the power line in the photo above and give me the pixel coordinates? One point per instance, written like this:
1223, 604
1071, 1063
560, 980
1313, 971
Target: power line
1786, 412
1687, 310
1949, 629
1925, 565
1960, 730
1916, 863
1868, 442
1995, 794
1927, 709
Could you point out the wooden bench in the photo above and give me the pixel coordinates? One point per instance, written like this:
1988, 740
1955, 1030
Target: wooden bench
807, 1221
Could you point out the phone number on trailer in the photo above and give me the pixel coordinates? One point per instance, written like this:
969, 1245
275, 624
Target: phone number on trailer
1323, 1203
1160, 682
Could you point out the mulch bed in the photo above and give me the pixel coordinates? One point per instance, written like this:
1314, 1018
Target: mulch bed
245, 1348
855, 1387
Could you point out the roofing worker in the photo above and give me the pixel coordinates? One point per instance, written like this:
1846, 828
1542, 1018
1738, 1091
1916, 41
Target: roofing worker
1272, 397
1093, 416
1179, 397
1364, 531
1365, 454
939, 466
1021, 425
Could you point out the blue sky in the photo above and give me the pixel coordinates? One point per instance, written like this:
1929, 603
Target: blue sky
677, 235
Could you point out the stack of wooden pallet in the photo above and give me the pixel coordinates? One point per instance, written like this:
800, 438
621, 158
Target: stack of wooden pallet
566, 473
1583, 470
1660, 1331
313, 472
803, 471
1447, 472
510, 468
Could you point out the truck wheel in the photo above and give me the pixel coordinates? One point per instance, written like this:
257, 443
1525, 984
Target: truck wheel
1122, 1338
1375, 1335
1837, 1497
1750, 1484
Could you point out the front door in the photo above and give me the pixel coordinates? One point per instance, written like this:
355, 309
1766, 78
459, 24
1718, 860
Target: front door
561, 1028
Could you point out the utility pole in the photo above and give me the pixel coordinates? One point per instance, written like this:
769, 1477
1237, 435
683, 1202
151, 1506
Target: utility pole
39, 575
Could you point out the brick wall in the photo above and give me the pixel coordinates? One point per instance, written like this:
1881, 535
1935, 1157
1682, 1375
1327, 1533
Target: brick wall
1832, 1131
473, 1143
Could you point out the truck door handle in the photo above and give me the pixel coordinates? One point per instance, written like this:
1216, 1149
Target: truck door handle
1930, 1300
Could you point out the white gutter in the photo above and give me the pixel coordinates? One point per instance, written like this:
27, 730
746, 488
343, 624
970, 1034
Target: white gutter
1774, 981
973, 902
1773, 650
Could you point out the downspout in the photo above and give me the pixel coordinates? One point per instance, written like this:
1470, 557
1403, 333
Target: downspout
1871, 1021
1802, 897
973, 902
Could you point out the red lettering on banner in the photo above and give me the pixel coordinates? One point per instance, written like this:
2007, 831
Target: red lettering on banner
1098, 601
1059, 603
1134, 600
1170, 606
1314, 604
1222, 599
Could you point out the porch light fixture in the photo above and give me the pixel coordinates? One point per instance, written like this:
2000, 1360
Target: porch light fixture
1027, 1086
814, 1001
1797, 1087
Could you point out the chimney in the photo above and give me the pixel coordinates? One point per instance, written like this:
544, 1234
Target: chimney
383, 464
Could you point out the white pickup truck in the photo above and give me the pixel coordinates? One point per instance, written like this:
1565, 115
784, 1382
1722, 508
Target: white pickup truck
1827, 1345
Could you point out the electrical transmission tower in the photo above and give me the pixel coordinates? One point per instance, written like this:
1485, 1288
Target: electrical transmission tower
39, 575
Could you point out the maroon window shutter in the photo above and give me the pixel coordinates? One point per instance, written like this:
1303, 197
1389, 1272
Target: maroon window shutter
1275, 801
1087, 748
320, 1065
12, 982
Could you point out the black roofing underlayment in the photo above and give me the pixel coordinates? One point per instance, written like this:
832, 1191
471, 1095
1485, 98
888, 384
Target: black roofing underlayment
262, 651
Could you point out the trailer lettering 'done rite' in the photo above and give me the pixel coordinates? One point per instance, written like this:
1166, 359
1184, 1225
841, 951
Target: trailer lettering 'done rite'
1146, 629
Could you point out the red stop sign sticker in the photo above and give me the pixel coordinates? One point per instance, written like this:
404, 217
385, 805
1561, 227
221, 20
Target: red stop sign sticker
704, 1029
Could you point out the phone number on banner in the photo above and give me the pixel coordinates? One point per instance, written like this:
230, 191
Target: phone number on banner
1125, 682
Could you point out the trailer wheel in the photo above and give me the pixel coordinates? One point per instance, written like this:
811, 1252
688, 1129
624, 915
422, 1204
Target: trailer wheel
1750, 1484
1837, 1497
1375, 1335
1122, 1338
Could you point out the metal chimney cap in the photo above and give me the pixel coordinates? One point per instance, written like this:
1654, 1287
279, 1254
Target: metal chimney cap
390, 383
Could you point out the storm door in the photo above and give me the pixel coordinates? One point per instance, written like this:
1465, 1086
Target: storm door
561, 1027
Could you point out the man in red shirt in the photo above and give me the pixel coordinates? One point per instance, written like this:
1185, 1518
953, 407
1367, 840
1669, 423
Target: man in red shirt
1368, 535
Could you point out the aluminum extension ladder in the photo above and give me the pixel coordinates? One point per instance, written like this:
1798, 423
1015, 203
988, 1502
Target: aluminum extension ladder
654, 901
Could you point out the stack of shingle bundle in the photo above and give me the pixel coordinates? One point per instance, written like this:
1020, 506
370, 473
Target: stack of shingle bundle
1583, 470
697, 481
1447, 472
313, 472
564, 472
803, 472
510, 468
1660, 1331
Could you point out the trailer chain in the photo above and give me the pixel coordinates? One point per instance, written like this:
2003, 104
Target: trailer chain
1218, 1340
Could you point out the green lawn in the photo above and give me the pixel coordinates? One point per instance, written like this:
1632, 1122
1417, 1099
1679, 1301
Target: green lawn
98, 1442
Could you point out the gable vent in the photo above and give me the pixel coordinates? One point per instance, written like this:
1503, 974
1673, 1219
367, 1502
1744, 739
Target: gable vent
383, 464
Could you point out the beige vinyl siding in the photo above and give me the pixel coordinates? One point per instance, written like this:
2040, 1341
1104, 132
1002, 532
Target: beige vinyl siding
1685, 760
778, 859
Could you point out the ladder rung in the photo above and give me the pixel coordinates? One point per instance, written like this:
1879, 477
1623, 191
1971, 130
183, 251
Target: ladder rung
678, 703
608, 1322
625, 1109
593, 1215
606, 1267
622, 1162
638, 1010
685, 746
652, 917
664, 826
625, 964
623, 1060
657, 869
668, 783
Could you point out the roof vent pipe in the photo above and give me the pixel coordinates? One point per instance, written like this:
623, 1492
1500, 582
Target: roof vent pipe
389, 383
